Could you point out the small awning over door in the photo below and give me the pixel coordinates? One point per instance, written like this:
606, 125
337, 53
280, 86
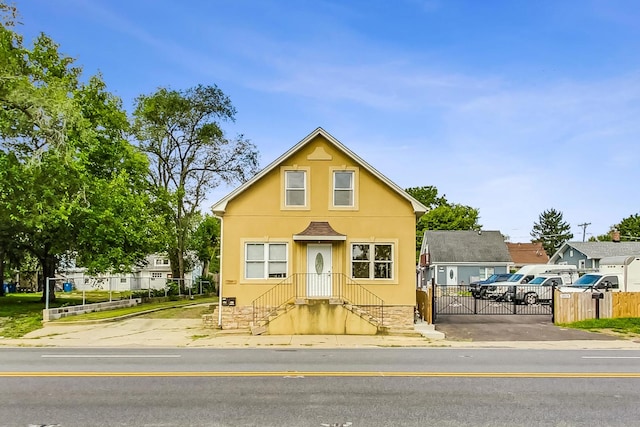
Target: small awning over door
319, 230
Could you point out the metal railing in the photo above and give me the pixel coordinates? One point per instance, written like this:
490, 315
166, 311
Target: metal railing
320, 286
275, 299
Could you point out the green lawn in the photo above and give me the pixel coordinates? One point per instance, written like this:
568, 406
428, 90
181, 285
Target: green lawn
22, 313
626, 326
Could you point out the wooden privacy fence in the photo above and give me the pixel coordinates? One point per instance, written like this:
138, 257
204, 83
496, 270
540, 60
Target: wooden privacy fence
575, 306
424, 303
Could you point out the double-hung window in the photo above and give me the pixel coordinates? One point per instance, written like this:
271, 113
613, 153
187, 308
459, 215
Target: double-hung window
343, 188
295, 188
265, 260
372, 261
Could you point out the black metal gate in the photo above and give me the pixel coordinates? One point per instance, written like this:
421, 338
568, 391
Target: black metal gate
499, 299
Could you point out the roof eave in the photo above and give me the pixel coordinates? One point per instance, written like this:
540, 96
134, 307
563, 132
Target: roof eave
418, 208
299, 237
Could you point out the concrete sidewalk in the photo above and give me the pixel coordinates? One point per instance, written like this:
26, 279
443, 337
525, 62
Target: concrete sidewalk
190, 333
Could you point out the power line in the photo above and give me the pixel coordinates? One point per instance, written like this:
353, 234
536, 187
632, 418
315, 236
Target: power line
584, 228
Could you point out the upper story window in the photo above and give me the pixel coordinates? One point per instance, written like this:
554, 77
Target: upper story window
162, 261
343, 188
265, 260
295, 188
372, 261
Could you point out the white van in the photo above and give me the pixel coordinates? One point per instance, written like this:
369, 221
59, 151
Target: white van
528, 272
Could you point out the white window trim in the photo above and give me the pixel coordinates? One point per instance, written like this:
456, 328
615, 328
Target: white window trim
355, 183
343, 190
486, 272
372, 262
283, 187
265, 260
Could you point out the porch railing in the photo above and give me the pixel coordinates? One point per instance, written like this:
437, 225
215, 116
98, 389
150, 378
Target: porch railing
335, 286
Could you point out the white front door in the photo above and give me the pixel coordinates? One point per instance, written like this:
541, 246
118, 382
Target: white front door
452, 276
319, 270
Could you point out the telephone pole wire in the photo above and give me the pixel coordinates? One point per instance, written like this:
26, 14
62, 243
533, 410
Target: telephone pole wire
584, 228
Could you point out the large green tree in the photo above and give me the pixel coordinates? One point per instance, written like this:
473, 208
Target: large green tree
205, 242
442, 214
551, 230
629, 229
72, 185
181, 133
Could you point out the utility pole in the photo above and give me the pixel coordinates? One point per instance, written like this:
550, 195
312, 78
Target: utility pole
584, 228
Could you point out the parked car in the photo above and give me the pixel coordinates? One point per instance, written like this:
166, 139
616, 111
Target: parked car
485, 288
539, 289
595, 282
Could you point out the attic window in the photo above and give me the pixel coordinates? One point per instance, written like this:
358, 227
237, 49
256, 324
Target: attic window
295, 188
343, 188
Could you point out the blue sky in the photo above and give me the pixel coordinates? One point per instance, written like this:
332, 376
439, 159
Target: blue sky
511, 107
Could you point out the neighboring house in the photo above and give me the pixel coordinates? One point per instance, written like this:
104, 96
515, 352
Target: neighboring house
318, 242
587, 255
527, 253
460, 257
153, 273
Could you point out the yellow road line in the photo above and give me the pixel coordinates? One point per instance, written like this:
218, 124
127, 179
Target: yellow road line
330, 374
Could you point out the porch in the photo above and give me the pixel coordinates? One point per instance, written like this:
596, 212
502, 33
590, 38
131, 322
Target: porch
309, 303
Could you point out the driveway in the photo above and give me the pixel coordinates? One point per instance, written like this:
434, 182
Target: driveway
510, 328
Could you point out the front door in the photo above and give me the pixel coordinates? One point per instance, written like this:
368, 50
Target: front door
452, 276
319, 270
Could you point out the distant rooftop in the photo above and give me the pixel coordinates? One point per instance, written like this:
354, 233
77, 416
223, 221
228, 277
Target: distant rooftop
527, 253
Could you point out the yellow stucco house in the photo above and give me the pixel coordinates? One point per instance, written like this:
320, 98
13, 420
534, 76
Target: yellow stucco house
319, 242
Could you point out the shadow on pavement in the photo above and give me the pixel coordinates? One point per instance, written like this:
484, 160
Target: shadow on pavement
509, 328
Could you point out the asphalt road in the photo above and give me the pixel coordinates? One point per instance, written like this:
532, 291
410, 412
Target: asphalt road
313, 387
510, 327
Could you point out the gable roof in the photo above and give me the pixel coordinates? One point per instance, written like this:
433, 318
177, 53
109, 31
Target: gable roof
598, 250
466, 246
527, 253
219, 207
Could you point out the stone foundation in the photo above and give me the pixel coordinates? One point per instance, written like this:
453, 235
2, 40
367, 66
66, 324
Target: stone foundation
210, 321
395, 317
399, 317
237, 317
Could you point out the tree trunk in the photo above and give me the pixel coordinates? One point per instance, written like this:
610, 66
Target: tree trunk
2, 273
205, 268
173, 261
48, 264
